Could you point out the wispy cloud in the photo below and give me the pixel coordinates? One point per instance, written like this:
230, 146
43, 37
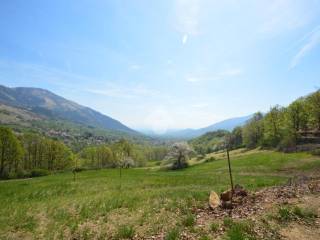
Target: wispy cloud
188, 17
231, 72
281, 15
224, 74
40, 74
193, 79
311, 42
200, 105
120, 91
135, 67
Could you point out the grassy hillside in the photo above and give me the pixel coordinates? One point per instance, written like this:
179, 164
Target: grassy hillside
149, 201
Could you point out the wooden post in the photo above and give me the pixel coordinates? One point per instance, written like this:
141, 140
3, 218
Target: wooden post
120, 173
230, 171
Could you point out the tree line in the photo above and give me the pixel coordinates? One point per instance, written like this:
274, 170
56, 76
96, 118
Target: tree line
30, 154
281, 127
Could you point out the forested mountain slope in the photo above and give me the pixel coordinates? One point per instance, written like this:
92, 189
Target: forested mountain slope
50, 105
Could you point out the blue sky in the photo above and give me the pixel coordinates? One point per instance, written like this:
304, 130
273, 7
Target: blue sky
164, 64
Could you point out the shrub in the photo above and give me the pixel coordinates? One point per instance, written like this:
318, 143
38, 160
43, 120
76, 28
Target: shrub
23, 174
125, 232
79, 169
39, 172
210, 159
316, 152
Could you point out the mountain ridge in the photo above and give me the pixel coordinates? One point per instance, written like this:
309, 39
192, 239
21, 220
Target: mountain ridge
49, 104
188, 133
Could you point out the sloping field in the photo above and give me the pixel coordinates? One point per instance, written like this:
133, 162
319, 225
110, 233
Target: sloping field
143, 203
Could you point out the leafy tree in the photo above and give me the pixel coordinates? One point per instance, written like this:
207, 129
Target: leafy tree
273, 126
10, 152
253, 131
235, 138
313, 105
297, 118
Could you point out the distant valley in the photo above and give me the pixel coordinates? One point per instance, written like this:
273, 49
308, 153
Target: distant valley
189, 133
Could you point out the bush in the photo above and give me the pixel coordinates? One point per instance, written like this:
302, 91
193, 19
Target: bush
210, 159
316, 152
79, 169
287, 144
23, 174
39, 172
177, 165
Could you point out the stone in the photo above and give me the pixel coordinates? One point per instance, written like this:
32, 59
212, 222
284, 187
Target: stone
226, 195
214, 200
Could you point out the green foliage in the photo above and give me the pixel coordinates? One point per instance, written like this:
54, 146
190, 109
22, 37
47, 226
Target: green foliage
281, 127
241, 230
173, 234
39, 172
125, 232
11, 152
214, 227
209, 142
286, 214
210, 159
273, 126
179, 155
227, 222
313, 108
316, 152
189, 220
253, 131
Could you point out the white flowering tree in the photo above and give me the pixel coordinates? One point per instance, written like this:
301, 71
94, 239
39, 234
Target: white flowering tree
179, 155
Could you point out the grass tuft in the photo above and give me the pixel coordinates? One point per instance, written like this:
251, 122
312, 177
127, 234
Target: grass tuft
240, 231
189, 220
172, 234
214, 227
125, 232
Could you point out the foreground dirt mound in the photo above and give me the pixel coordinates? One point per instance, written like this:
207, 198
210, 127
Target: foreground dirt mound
250, 203
253, 207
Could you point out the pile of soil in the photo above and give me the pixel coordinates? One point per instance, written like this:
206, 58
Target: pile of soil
245, 203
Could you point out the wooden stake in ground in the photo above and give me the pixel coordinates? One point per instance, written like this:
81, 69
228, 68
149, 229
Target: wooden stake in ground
230, 171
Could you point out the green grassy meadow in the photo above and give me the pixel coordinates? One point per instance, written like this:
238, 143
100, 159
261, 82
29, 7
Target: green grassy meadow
145, 202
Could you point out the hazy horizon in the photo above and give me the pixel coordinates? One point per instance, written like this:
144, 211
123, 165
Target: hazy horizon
166, 64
